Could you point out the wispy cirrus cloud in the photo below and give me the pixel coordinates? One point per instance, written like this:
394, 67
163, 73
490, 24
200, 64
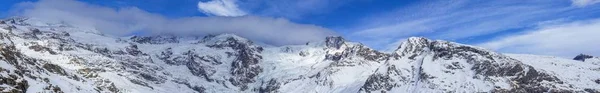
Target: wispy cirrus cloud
583, 3
126, 20
460, 19
221, 8
565, 40
291, 9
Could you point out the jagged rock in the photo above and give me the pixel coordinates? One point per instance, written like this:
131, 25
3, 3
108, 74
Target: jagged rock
378, 82
244, 67
269, 87
133, 50
303, 53
15, 84
42, 49
582, 57
334, 42
54, 69
161, 39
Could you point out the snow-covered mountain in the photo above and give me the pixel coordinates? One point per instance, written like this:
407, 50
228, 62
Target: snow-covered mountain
588, 59
37, 56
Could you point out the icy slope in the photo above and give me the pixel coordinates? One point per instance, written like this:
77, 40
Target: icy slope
579, 75
57, 57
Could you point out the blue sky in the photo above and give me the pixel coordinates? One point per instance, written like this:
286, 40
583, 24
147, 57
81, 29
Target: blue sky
382, 24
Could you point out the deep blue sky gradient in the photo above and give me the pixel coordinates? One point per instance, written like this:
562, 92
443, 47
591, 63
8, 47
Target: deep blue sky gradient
338, 18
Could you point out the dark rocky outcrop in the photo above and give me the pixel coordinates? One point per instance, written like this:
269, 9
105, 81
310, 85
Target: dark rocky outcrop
160, 39
133, 50
40, 48
269, 87
378, 82
244, 67
582, 57
54, 69
18, 84
334, 42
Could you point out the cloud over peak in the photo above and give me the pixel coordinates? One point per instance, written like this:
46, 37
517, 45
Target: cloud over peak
564, 40
127, 20
220, 8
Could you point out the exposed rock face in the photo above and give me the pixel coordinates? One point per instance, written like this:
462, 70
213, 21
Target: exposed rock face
378, 82
338, 49
160, 39
334, 42
133, 50
244, 67
588, 59
56, 57
13, 79
270, 87
582, 57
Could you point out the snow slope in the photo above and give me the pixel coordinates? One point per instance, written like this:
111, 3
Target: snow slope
572, 72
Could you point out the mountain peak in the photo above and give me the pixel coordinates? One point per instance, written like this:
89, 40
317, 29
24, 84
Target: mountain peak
229, 40
14, 20
582, 57
416, 38
224, 38
413, 45
334, 42
418, 45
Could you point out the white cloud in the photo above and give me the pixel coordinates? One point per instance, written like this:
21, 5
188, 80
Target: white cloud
220, 8
124, 21
566, 40
458, 19
583, 3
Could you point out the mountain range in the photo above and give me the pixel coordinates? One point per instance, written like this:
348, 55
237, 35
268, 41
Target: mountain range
38, 56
